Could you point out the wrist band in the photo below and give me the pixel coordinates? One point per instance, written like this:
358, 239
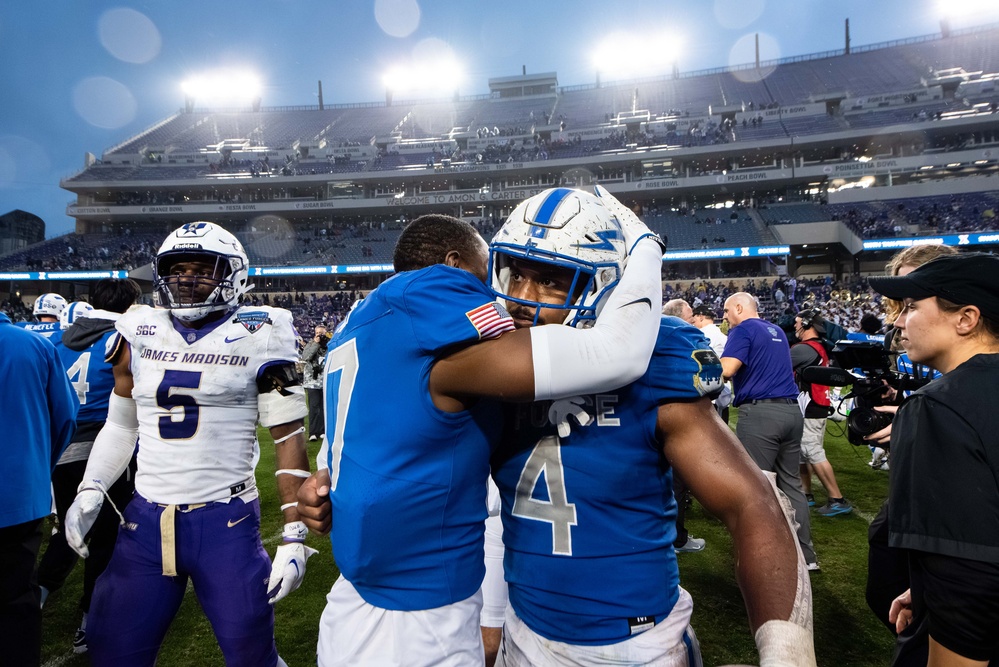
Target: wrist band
300, 429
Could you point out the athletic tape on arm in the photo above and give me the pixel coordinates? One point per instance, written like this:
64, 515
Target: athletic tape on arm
276, 409
114, 445
616, 351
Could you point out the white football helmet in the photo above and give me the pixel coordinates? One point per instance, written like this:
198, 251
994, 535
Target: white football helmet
218, 286
49, 304
569, 229
73, 312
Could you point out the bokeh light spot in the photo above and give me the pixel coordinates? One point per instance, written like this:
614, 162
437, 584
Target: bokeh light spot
129, 35
398, 18
744, 52
104, 102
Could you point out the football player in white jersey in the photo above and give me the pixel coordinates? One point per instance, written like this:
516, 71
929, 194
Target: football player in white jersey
192, 379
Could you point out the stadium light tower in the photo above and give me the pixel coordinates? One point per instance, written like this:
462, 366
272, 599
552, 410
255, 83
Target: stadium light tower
432, 77
222, 88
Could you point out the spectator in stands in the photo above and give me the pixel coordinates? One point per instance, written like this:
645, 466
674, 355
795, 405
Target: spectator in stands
810, 329
757, 359
39, 419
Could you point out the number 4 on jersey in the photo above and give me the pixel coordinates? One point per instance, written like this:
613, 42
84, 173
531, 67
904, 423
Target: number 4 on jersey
546, 459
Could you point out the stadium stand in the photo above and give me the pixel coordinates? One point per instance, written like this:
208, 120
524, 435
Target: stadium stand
333, 186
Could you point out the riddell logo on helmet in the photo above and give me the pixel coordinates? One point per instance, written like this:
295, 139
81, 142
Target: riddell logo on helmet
187, 246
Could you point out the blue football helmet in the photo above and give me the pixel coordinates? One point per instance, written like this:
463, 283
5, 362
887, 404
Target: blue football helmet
568, 229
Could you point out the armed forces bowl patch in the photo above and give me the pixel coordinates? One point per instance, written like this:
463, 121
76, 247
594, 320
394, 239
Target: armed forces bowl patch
253, 320
708, 378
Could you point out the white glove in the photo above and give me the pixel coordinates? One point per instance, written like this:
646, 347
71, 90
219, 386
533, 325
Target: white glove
80, 519
288, 568
633, 228
562, 409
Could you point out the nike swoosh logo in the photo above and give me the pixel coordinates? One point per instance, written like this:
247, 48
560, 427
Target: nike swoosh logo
644, 300
233, 340
232, 523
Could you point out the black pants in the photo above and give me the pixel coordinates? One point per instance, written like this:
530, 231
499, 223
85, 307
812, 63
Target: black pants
887, 578
20, 615
59, 560
317, 420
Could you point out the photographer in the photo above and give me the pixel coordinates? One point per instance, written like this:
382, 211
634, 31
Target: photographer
809, 328
944, 496
314, 358
888, 567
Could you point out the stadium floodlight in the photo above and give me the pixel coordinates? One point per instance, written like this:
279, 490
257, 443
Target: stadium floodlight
223, 88
429, 77
627, 55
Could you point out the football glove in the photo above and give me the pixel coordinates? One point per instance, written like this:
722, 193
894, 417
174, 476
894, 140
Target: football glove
562, 409
632, 227
80, 519
288, 568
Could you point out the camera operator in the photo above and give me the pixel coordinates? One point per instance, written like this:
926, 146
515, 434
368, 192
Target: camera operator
944, 496
314, 358
809, 328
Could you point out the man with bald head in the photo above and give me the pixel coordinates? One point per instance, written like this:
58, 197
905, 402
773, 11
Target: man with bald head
757, 359
679, 308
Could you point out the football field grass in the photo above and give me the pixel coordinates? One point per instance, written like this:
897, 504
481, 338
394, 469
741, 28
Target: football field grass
846, 633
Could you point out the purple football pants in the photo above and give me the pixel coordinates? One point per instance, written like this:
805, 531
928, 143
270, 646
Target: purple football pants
218, 548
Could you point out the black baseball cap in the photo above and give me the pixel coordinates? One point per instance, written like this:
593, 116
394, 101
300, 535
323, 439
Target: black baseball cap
705, 311
970, 279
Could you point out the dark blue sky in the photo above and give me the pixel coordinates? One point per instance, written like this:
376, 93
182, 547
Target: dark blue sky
85, 75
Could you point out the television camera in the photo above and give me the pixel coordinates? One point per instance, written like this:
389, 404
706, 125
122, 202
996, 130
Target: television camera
870, 379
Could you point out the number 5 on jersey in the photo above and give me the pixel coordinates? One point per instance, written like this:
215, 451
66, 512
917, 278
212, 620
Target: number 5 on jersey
546, 459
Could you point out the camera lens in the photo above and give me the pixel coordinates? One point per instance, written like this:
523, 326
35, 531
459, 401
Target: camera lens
863, 421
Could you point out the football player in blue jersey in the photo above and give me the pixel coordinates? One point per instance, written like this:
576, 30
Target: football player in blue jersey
87, 328
192, 380
47, 310
408, 489
588, 511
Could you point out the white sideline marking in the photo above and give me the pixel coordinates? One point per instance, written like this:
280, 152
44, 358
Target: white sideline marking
869, 518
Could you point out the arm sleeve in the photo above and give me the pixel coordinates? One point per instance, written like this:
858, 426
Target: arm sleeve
616, 351
114, 445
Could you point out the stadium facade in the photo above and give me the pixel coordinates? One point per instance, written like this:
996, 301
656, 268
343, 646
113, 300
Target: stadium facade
818, 164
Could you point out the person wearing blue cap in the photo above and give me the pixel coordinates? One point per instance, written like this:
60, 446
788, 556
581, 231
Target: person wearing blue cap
944, 498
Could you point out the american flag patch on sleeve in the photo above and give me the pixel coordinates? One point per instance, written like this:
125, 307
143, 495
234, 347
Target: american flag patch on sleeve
490, 320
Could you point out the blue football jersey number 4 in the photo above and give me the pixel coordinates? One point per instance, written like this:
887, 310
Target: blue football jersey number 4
546, 459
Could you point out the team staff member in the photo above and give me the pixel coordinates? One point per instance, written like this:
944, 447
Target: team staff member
39, 418
944, 497
758, 361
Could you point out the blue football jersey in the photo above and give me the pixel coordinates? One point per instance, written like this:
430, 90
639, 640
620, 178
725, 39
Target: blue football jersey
589, 520
408, 485
46, 329
91, 376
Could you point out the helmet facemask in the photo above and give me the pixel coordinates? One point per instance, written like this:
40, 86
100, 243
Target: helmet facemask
213, 277
566, 233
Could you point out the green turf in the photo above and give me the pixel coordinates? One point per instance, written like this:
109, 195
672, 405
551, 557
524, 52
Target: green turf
846, 633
